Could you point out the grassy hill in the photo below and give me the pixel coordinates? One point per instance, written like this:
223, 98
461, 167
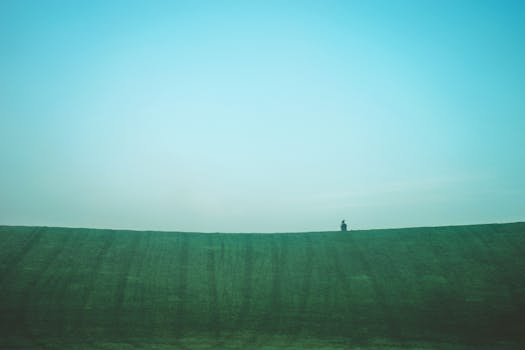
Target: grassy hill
457, 287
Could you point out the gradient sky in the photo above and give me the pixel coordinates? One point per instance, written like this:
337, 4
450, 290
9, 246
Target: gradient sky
261, 116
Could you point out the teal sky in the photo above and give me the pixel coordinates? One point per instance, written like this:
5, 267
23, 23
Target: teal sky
263, 116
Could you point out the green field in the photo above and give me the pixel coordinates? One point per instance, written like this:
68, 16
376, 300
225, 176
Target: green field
458, 287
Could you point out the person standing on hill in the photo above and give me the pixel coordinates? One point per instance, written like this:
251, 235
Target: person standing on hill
343, 226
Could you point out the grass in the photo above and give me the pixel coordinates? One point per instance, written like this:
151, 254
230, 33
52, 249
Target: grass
458, 287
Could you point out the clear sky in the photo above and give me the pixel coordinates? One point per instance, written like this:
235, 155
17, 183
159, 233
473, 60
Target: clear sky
261, 116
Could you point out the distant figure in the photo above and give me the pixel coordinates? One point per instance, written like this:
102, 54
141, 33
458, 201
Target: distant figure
343, 226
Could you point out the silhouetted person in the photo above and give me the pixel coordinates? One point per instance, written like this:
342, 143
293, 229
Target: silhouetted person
343, 226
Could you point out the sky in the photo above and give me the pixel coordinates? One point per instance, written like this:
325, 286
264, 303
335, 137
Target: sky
261, 116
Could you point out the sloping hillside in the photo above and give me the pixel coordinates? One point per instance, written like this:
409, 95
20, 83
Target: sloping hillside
443, 287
